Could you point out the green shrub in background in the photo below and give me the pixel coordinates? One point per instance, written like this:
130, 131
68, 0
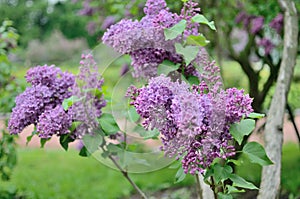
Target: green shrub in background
8, 89
55, 49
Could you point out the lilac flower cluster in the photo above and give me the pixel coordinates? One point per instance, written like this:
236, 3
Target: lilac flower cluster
267, 45
42, 101
194, 122
255, 23
277, 23
153, 7
88, 92
88, 9
41, 104
108, 21
144, 40
54, 121
189, 10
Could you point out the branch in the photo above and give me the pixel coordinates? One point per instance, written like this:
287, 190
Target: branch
125, 174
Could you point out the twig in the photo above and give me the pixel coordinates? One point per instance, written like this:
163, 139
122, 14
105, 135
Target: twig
213, 187
125, 174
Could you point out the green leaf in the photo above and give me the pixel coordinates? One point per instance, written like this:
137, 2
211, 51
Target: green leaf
146, 134
180, 175
7, 23
108, 124
166, 67
105, 154
94, 91
2, 29
84, 152
174, 31
64, 141
175, 165
256, 154
241, 182
132, 114
202, 20
232, 189
193, 80
224, 196
74, 126
236, 162
67, 103
209, 172
221, 173
30, 137
43, 141
256, 115
92, 142
189, 52
112, 148
198, 40
239, 130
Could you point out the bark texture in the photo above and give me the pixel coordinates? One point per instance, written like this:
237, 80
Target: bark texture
205, 192
270, 183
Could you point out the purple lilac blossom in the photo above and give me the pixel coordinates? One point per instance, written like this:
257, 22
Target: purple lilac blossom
41, 104
87, 90
267, 45
54, 121
108, 21
277, 23
87, 9
194, 123
238, 105
153, 7
189, 10
144, 40
49, 87
241, 17
29, 106
57, 81
145, 61
256, 24
244, 18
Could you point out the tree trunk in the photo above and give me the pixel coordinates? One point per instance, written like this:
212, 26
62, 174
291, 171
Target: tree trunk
204, 190
270, 183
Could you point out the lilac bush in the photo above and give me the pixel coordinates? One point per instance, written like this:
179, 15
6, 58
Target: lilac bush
198, 120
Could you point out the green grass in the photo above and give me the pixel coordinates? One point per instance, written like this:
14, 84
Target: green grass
56, 174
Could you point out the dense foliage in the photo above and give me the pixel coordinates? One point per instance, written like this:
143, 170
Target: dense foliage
8, 90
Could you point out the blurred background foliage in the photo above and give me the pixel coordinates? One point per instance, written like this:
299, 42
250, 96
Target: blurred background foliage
9, 88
